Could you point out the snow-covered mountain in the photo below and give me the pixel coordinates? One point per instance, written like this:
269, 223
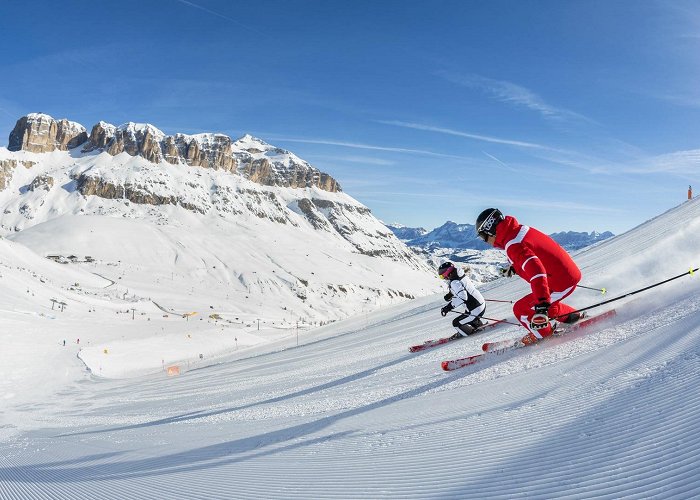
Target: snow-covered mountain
405, 233
449, 235
459, 243
452, 235
574, 240
260, 232
454, 242
345, 411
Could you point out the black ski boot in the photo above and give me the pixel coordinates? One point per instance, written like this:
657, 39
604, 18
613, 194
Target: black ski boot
463, 331
476, 324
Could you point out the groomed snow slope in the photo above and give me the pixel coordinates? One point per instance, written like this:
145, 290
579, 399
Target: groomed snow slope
614, 413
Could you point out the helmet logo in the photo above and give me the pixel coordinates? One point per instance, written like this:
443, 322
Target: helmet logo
487, 225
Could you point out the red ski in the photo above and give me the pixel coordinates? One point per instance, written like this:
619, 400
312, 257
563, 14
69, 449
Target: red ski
503, 346
436, 342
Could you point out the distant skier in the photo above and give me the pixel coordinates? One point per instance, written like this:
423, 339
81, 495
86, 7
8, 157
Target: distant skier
539, 260
462, 292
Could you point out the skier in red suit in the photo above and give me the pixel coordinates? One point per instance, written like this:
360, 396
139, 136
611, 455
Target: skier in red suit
539, 260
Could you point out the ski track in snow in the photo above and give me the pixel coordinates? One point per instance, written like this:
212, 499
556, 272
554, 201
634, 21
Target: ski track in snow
611, 412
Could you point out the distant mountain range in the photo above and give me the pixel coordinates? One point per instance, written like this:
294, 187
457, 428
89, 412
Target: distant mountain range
406, 234
459, 243
463, 236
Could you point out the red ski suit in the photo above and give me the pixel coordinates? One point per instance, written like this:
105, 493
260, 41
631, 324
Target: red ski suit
539, 260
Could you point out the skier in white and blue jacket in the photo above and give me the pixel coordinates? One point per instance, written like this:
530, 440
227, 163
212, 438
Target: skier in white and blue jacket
462, 293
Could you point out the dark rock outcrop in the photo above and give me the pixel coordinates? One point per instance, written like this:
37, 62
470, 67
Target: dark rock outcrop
7, 168
44, 182
40, 133
89, 185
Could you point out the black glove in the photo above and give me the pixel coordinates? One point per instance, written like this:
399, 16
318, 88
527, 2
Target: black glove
542, 307
507, 272
448, 296
541, 319
446, 309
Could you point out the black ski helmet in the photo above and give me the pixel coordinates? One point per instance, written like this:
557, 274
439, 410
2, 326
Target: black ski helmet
487, 221
447, 270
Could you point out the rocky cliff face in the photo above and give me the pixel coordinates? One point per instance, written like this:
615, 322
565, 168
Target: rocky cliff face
137, 141
249, 157
100, 135
263, 172
40, 133
208, 151
135, 193
354, 223
45, 182
7, 167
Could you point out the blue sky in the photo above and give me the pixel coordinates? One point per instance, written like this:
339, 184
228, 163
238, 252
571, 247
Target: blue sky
570, 115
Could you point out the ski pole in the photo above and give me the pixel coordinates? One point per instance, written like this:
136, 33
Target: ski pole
601, 290
496, 321
493, 300
489, 319
691, 272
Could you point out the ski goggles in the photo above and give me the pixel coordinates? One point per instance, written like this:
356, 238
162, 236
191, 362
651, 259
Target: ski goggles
446, 272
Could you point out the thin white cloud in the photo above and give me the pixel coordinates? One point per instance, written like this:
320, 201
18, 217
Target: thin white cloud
214, 13
365, 160
678, 163
684, 164
686, 17
504, 165
400, 194
368, 147
468, 135
686, 97
512, 93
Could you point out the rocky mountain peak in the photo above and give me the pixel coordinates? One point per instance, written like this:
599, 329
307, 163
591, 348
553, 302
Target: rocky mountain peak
40, 133
248, 156
201, 150
140, 139
250, 142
